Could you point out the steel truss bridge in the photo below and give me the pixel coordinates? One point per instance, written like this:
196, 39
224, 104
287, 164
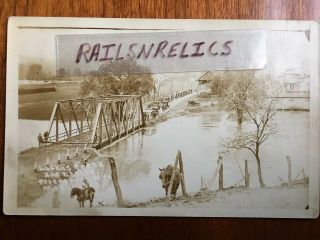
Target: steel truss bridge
96, 122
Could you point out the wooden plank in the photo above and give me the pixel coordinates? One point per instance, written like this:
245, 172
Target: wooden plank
314, 12
57, 124
100, 125
119, 118
69, 120
75, 117
173, 176
124, 120
194, 8
116, 184
133, 113
87, 118
183, 185
296, 182
221, 177
128, 115
289, 9
81, 118
275, 9
53, 114
305, 9
108, 114
106, 124
114, 119
62, 120
289, 168
95, 122
246, 175
141, 112
210, 182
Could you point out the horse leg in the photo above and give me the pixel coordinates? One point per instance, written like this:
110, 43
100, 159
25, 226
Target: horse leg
166, 192
91, 199
79, 203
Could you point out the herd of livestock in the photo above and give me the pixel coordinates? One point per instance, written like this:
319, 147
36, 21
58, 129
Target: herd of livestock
52, 174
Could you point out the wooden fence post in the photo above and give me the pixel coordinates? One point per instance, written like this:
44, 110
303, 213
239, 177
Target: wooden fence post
221, 177
48, 161
77, 151
304, 178
202, 186
183, 185
116, 184
35, 166
246, 176
211, 180
173, 175
289, 169
68, 154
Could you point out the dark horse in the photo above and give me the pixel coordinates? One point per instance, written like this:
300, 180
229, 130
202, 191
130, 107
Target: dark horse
82, 196
165, 176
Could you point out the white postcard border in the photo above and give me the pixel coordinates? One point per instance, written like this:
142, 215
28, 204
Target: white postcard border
11, 138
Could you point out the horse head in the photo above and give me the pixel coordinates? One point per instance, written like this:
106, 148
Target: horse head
165, 175
74, 191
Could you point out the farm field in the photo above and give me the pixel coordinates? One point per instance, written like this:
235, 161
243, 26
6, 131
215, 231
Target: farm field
38, 106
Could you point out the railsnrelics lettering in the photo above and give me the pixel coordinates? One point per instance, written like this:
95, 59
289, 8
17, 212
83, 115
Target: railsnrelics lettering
162, 52
163, 49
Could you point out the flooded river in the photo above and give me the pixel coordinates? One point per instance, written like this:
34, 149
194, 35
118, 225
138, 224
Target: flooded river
200, 137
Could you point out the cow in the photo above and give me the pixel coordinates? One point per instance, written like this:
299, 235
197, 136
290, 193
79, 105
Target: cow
165, 176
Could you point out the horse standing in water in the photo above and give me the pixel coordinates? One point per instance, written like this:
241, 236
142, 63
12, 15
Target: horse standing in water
165, 176
82, 196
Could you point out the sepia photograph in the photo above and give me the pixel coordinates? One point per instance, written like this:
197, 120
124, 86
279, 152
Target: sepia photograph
153, 118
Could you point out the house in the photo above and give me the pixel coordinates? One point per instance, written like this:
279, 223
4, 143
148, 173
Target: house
295, 90
210, 80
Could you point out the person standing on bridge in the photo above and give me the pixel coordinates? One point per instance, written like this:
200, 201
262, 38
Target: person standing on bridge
46, 137
40, 140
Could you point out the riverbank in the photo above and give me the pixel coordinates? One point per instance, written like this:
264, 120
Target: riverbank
294, 197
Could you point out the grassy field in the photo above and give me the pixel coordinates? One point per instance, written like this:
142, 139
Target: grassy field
38, 106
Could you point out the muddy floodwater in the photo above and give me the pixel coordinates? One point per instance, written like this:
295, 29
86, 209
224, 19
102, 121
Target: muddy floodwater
200, 137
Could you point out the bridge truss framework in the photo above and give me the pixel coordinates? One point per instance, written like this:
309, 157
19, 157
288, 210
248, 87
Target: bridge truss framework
95, 121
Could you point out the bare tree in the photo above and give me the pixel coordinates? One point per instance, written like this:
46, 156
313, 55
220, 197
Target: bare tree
235, 89
261, 111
